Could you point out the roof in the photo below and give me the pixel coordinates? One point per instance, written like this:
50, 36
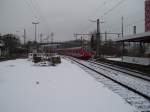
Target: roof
141, 37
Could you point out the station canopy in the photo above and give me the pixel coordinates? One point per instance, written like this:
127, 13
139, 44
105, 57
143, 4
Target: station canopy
141, 37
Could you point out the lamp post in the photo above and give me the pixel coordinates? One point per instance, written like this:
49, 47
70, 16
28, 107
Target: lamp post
35, 23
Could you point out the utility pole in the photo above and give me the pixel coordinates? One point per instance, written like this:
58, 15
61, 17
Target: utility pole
105, 36
52, 35
35, 23
122, 29
98, 38
41, 36
81, 41
75, 36
47, 38
24, 36
134, 29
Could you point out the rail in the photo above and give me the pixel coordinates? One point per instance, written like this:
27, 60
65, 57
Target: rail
116, 81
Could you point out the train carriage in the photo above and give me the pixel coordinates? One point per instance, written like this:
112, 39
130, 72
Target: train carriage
77, 52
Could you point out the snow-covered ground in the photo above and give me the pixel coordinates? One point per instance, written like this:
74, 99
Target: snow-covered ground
114, 59
64, 88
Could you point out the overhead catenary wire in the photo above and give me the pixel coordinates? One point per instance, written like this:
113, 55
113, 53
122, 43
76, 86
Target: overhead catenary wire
37, 8
129, 17
113, 8
108, 11
130, 24
94, 12
36, 12
30, 7
100, 7
40, 10
116, 6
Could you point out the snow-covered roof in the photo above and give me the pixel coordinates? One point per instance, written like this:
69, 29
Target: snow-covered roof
141, 37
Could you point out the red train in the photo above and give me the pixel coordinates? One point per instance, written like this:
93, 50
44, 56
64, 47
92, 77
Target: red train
77, 52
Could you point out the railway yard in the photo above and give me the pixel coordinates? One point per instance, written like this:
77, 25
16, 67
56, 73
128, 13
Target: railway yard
75, 56
74, 85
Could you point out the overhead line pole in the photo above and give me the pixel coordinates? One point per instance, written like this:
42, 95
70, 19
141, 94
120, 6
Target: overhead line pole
122, 29
24, 36
122, 37
105, 36
41, 38
98, 37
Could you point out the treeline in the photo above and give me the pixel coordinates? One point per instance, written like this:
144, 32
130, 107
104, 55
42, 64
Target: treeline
108, 47
11, 46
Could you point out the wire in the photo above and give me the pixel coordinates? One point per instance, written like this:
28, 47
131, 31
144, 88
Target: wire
93, 13
138, 21
42, 15
130, 24
37, 8
99, 7
110, 10
113, 8
127, 18
32, 11
36, 11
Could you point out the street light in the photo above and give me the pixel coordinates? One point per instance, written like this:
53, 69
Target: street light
35, 23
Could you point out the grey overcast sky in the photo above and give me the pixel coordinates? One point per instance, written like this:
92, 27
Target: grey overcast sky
66, 17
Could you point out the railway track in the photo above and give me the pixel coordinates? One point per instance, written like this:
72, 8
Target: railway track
134, 88
134, 73
124, 70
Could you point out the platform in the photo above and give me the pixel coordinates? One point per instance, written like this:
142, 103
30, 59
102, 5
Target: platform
141, 37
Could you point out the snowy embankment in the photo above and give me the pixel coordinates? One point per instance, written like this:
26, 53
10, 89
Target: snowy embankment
64, 88
114, 59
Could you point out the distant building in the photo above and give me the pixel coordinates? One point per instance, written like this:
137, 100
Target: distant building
3, 50
1, 47
147, 15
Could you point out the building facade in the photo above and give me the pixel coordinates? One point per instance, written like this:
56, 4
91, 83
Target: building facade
147, 15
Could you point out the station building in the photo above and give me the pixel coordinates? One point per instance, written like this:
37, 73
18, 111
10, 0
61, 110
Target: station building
147, 15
